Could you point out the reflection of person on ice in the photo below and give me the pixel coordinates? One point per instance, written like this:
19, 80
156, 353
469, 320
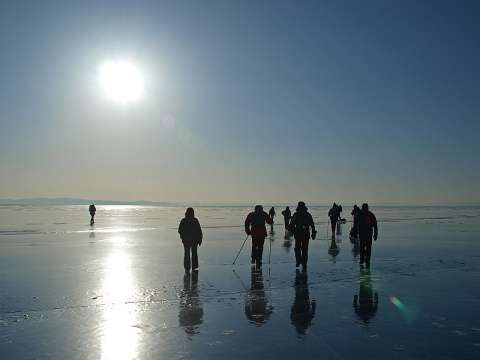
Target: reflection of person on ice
255, 226
92, 209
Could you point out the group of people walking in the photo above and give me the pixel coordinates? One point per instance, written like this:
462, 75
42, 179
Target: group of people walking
300, 224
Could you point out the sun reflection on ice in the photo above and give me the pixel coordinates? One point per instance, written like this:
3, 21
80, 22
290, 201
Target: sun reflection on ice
120, 336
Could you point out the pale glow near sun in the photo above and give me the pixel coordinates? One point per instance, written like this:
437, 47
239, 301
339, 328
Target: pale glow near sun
121, 81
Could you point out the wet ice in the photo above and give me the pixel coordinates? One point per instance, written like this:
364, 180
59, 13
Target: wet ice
118, 290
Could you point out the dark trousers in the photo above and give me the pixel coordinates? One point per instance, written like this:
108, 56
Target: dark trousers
365, 248
334, 225
301, 250
257, 248
186, 258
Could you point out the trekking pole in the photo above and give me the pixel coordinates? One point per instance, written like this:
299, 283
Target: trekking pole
270, 254
240, 250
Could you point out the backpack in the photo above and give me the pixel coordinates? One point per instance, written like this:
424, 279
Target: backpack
302, 221
367, 220
257, 220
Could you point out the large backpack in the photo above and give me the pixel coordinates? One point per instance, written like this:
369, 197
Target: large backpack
302, 221
367, 220
257, 220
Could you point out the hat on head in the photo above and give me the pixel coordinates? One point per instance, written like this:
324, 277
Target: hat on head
301, 205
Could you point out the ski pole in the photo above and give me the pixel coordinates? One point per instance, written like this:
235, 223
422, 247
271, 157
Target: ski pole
240, 250
270, 254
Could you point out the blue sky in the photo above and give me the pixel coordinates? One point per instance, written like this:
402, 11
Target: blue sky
245, 101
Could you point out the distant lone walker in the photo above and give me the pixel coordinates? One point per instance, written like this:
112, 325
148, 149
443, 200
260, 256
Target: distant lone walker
191, 234
300, 225
366, 224
92, 209
255, 226
271, 213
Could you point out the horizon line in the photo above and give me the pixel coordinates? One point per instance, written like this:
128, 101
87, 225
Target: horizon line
78, 201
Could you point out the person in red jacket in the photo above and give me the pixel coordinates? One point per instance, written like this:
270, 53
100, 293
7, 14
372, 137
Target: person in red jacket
255, 226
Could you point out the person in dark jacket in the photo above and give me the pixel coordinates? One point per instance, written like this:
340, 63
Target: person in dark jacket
255, 226
271, 212
334, 215
353, 230
355, 210
92, 209
366, 224
287, 215
300, 224
191, 234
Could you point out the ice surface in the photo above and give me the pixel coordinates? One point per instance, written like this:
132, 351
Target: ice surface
117, 290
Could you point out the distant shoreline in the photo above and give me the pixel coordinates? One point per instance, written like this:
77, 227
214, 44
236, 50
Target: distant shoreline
74, 201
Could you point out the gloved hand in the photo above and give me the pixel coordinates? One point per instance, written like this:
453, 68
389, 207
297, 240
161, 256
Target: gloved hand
375, 237
314, 235
248, 232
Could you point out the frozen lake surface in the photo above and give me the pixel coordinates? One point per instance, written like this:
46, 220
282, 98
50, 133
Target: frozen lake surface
117, 290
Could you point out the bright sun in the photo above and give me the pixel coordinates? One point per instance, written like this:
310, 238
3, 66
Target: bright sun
122, 81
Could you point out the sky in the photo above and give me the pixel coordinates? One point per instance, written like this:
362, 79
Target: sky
253, 101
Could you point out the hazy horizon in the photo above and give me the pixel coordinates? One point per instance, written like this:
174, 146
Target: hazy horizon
79, 201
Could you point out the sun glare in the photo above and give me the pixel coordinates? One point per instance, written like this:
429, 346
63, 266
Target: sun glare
121, 81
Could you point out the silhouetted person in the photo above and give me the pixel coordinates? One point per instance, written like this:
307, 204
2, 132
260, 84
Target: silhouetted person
365, 303
366, 224
300, 224
355, 210
340, 209
287, 215
255, 226
92, 209
191, 234
353, 230
257, 309
303, 310
191, 307
334, 215
271, 212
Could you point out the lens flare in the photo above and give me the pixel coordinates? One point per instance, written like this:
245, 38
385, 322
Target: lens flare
397, 302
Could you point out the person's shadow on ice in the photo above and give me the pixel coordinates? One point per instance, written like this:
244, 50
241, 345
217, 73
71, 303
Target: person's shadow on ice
303, 309
257, 308
191, 306
365, 303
